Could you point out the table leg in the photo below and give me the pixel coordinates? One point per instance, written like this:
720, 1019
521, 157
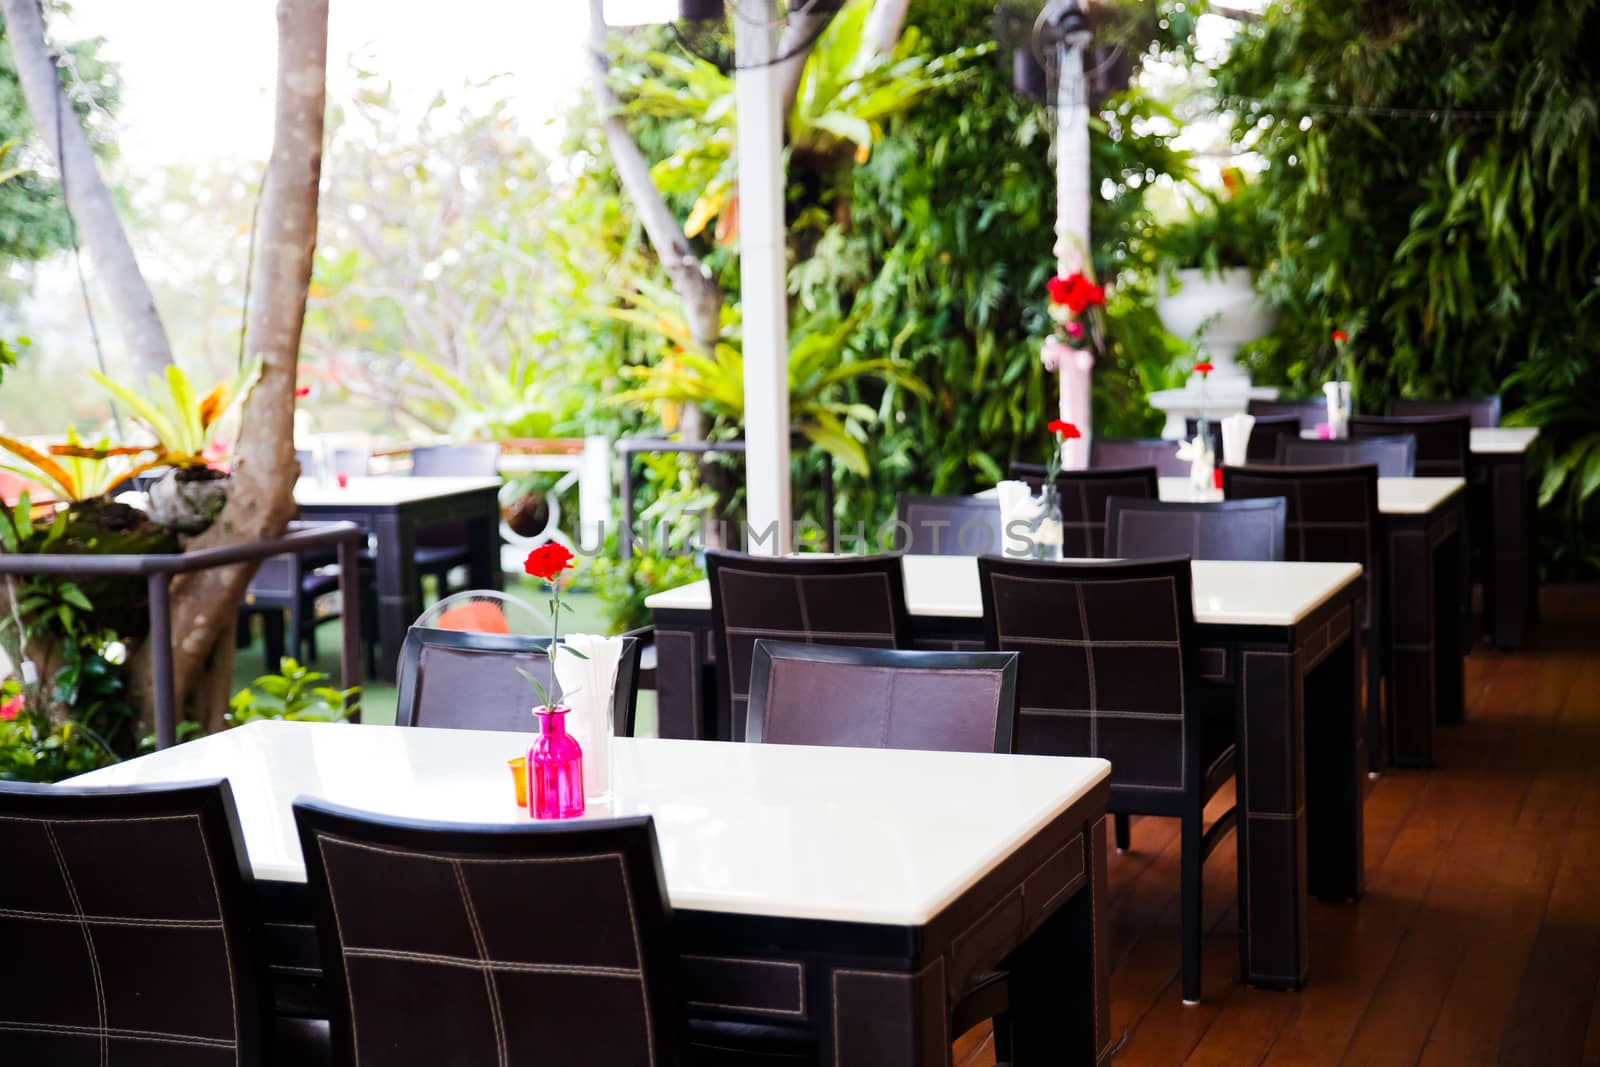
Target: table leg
1508, 581
1059, 990
483, 546
398, 604
1271, 798
1449, 686
1413, 646
1335, 770
890, 1018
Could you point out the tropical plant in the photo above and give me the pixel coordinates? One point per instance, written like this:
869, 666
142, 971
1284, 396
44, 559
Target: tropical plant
74, 471
295, 694
1223, 229
848, 91
818, 374
490, 402
1430, 164
182, 421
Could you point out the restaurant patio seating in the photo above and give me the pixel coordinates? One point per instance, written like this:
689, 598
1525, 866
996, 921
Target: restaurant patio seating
1481, 411
1157, 452
455, 943
1333, 516
1443, 442
1221, 529
1109, 668
465, 680
441, 550
290, 586
1264, 435
947, 525
1310, 411
1083, 496
1394, 456
127, 915
881, 698
825, 601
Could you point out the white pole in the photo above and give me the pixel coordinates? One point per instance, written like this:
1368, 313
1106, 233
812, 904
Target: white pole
761, 266
1072, 230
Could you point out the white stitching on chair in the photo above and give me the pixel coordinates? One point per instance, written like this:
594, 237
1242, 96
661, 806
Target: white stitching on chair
227, 951
88, 940
483, 962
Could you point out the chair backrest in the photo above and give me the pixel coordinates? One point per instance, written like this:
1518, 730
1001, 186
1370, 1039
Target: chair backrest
477, 459
276, 583
1264, 434
1310, 411
465, 680
1107, 664
947, 525
1444, 443
127, 919
1332, 516
450, 943
1394, 456
1083, 496
1481, 411
857, 601
882, 698
1222, 529
1157, 452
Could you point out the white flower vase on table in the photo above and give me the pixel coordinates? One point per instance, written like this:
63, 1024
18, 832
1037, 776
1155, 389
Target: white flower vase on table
1338, 397
586, 670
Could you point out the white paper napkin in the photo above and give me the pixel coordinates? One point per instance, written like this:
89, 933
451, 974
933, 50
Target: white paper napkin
586, 688
1017, 504
1236, 438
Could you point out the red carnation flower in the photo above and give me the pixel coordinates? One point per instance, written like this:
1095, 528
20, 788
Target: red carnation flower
1067, 431
1340, 337
1059, 287
302, 391
547, 561
1204, 368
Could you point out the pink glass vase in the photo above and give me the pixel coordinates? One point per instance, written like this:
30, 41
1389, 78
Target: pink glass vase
555, 768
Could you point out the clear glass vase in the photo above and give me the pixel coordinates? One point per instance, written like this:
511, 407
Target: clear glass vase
555, 768
1046, 530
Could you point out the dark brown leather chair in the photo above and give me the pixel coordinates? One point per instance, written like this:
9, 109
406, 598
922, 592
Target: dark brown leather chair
461, 680
947, 525
856, 601
1083, 496
1395, 457
1333, 517
1481, 411
1223, 529
126, 916
1264, 434
882, 698
1111, 452
457, 944
1109, 669
1443, 443
442, 549
1309, 411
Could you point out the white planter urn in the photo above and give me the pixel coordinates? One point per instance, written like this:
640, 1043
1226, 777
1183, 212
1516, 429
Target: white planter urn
1220, 312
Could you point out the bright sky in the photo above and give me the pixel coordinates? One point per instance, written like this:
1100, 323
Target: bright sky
198, 74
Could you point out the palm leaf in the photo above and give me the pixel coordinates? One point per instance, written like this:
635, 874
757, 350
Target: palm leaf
43, 465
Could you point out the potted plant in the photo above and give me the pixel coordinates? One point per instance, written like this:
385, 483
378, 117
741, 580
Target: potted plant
1209, 262
189, 496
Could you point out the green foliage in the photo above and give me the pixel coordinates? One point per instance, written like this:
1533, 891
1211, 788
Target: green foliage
1430, 177
1224, 230
294, 694
33, 749
181, 420
33, 223
489, 402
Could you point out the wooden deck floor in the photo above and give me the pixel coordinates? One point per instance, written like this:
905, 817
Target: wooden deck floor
1478, 940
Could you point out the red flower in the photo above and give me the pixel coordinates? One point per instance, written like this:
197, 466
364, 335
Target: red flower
302, 391
1067, 431
1076, 291
1204, 368
11, 708
547, 561
1340, 337
1059, 288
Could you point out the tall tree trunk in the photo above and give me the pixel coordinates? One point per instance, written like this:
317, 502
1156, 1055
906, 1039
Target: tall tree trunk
84, 190
261, 501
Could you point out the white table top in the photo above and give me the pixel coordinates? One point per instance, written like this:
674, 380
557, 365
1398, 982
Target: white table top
1226, 593
369, 492
849, 835
1396, 496
1503, 439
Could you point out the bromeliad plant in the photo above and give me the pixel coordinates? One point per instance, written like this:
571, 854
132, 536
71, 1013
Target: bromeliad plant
182, 421
74, 472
